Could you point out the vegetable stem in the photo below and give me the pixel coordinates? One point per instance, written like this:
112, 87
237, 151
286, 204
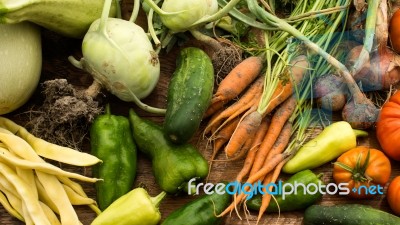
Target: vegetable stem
370, 25
146, 107
104, 16
158, 10
313, 14
151, 29
157, 200
74, 62
94, 89
206, 39
222, 12
244, 18
283, 25
135, 11
360, 133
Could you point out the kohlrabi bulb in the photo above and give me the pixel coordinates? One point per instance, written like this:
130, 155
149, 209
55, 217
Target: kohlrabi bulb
187, 13
121, 58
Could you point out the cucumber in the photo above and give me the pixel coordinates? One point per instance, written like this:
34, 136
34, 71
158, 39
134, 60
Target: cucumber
348, 214
189, 94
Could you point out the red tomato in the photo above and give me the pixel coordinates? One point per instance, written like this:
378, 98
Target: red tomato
388, 127
353, 168
393, 195
394, 31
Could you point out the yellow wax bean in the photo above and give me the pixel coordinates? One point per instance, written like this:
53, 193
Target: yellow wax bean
19, 147
44, 197
60, 199
77, 199
50, 214
27, 216
11, 195
8, 207
27, 197
78, 189
43, 166
28, 176
49, 150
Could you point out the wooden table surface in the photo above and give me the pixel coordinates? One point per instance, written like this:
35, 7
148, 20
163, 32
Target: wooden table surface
56, 49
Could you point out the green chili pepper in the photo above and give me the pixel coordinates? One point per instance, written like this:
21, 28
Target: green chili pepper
173, 165
334, 140
297, 199
201, 211
111, 141
134, 208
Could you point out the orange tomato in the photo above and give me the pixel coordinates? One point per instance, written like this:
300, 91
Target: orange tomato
393, 195
388, 127
356, 168
394, 31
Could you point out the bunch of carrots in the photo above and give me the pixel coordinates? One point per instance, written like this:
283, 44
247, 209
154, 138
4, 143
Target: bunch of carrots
261, 110
245, 131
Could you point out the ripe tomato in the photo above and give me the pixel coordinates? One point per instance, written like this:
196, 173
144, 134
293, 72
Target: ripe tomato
353, 168
393, 195
394, 31
388, 127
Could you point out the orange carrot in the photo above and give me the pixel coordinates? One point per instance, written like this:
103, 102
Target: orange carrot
278, 148
214, 129
285, 88
280, 144
241, 154
223, 136
213, 108
249, 99
272, 163
246, 129
220, 139
278, 121
238, 79
267, 197
282, 141
253, 149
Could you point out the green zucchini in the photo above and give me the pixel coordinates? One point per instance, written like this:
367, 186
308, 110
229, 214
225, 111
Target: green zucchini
348, 214
189, 94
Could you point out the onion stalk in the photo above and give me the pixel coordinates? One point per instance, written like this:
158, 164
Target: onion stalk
360, 101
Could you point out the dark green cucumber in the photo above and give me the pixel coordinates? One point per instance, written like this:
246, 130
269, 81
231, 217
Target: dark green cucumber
348, 214
189, 94
292, 202
201, 211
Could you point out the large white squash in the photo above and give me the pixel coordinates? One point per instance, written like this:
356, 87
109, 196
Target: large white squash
20, 64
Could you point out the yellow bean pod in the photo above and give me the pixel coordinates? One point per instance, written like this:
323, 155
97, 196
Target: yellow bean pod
8, 207
28, 198
50, 214
6, 156
77, 199
57, 194
49, 150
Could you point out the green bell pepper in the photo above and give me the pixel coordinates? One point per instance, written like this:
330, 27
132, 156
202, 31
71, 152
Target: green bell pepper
201, 211
173, 165
334, 140
134, 208
111, 141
